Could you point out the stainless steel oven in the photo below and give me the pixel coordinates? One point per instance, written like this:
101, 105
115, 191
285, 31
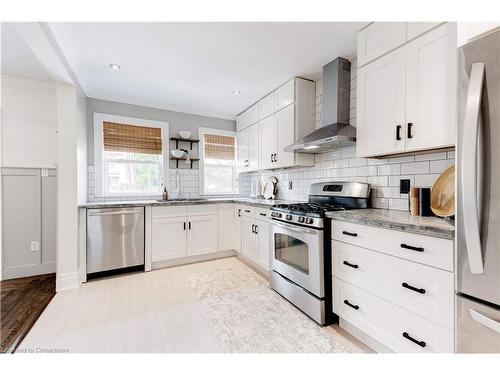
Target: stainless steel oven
297, 254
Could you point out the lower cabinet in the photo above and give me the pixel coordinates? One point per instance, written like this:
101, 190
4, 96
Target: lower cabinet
226, 230
181, 231
237, 227
255, 241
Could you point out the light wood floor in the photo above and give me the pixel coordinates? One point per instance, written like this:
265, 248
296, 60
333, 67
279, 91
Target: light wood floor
145, 312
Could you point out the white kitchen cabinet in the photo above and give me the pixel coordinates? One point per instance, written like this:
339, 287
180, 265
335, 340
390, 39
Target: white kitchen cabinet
226, 227
249, 240
237, 227
248, 117
430, 90
169, 239
262, 144
406, 98
378, 39
414, 29
285, 95
262, 229
381, 106
267, 106
202, 236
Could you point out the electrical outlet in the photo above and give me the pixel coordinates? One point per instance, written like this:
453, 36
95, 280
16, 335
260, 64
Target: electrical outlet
290, 185
404, 186
34, 245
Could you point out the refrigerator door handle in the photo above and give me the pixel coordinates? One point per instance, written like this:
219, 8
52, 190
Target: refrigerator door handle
485, 321
469, 169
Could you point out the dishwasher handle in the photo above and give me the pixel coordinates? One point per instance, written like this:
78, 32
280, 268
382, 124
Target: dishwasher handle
105, 213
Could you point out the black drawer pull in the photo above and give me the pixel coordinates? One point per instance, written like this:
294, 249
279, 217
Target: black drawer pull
349, 233
355, 307
414, 248
248, 211
350, 264
410, 125
261, 214
398, 132
418, 290
419, 343
253, 228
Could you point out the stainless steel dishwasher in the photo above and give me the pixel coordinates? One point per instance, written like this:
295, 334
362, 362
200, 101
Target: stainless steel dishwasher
115, 240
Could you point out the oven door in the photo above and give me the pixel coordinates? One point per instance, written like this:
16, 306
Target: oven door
297, 254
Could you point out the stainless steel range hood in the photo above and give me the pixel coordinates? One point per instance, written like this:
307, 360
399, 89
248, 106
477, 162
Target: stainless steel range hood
335, 131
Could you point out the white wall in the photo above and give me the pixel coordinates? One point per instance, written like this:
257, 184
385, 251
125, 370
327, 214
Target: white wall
29, 124
67, 210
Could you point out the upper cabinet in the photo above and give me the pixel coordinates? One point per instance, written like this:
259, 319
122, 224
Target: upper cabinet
380, 38
285, 116
406, 98
249, 117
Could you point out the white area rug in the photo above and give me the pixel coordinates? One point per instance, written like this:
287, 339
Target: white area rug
247, 316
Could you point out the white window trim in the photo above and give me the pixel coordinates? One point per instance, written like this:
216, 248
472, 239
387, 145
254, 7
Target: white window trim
99, 118
201, 172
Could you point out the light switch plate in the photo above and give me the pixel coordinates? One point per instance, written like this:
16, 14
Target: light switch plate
35, 246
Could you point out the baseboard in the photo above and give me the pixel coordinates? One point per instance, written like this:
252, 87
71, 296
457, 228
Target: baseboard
192, 259
30, 270
65, 281
363, 337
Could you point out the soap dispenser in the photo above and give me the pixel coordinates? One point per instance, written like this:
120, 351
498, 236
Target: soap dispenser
165, 194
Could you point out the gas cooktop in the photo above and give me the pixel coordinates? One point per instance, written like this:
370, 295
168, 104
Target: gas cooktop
308, 209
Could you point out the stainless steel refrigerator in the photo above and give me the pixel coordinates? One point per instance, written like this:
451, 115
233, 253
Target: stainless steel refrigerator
478, 200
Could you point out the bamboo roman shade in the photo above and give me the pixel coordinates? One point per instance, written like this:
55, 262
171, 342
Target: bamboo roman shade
219, 147
131, 138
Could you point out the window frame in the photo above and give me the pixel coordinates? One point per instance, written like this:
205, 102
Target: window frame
99, 118
201, 151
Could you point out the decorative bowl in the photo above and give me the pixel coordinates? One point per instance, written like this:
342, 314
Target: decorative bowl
184, 134
177, 153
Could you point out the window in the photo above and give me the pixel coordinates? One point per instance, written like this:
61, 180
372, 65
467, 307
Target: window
129, 156
218, 162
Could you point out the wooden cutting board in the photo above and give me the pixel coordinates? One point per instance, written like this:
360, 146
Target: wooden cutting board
443, 194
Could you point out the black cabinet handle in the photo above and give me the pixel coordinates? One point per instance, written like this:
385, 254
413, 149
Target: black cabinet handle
275, 158
239, 212
409, 134
355, 307
253, 228
350, 264
414, 248
184, 225
419, 343
261, 214
349, 233
418, 290
272, 156
189, 225
247, 211
398, 132
256, 229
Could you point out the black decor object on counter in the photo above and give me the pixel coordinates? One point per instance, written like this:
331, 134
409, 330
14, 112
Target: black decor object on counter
424, 202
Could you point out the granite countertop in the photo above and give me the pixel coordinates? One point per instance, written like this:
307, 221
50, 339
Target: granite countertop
398, 220
258, 202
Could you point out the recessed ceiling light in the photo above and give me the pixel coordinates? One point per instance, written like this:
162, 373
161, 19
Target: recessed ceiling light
114, 66
311, 147
236, 92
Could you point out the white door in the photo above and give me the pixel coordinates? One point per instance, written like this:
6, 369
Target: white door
253, 147
226, 228
381, 106
267, 130
202, 234
262, 229
285, 134
431, 90
242, 140
168, 238
249, 244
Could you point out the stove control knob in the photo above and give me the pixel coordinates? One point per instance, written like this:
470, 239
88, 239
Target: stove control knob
289, 217
309, 220
278, 215
274, 214
301, 219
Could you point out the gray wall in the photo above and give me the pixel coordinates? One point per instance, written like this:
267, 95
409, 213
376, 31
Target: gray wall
177, 120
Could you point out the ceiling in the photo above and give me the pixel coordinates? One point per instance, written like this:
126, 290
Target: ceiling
18, 60
195, 67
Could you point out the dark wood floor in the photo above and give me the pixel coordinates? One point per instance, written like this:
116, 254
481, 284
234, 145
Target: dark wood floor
22, 302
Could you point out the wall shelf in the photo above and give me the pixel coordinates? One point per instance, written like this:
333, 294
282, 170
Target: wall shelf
187, 140
183, 158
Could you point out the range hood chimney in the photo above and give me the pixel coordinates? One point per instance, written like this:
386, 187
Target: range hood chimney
335, 131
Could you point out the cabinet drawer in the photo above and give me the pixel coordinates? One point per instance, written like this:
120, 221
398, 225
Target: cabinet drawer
202, 209
173, 211
389, 324
436, 252
378, 39
255, 212
424, 290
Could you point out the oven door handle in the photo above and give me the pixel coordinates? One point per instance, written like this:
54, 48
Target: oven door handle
295, 228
